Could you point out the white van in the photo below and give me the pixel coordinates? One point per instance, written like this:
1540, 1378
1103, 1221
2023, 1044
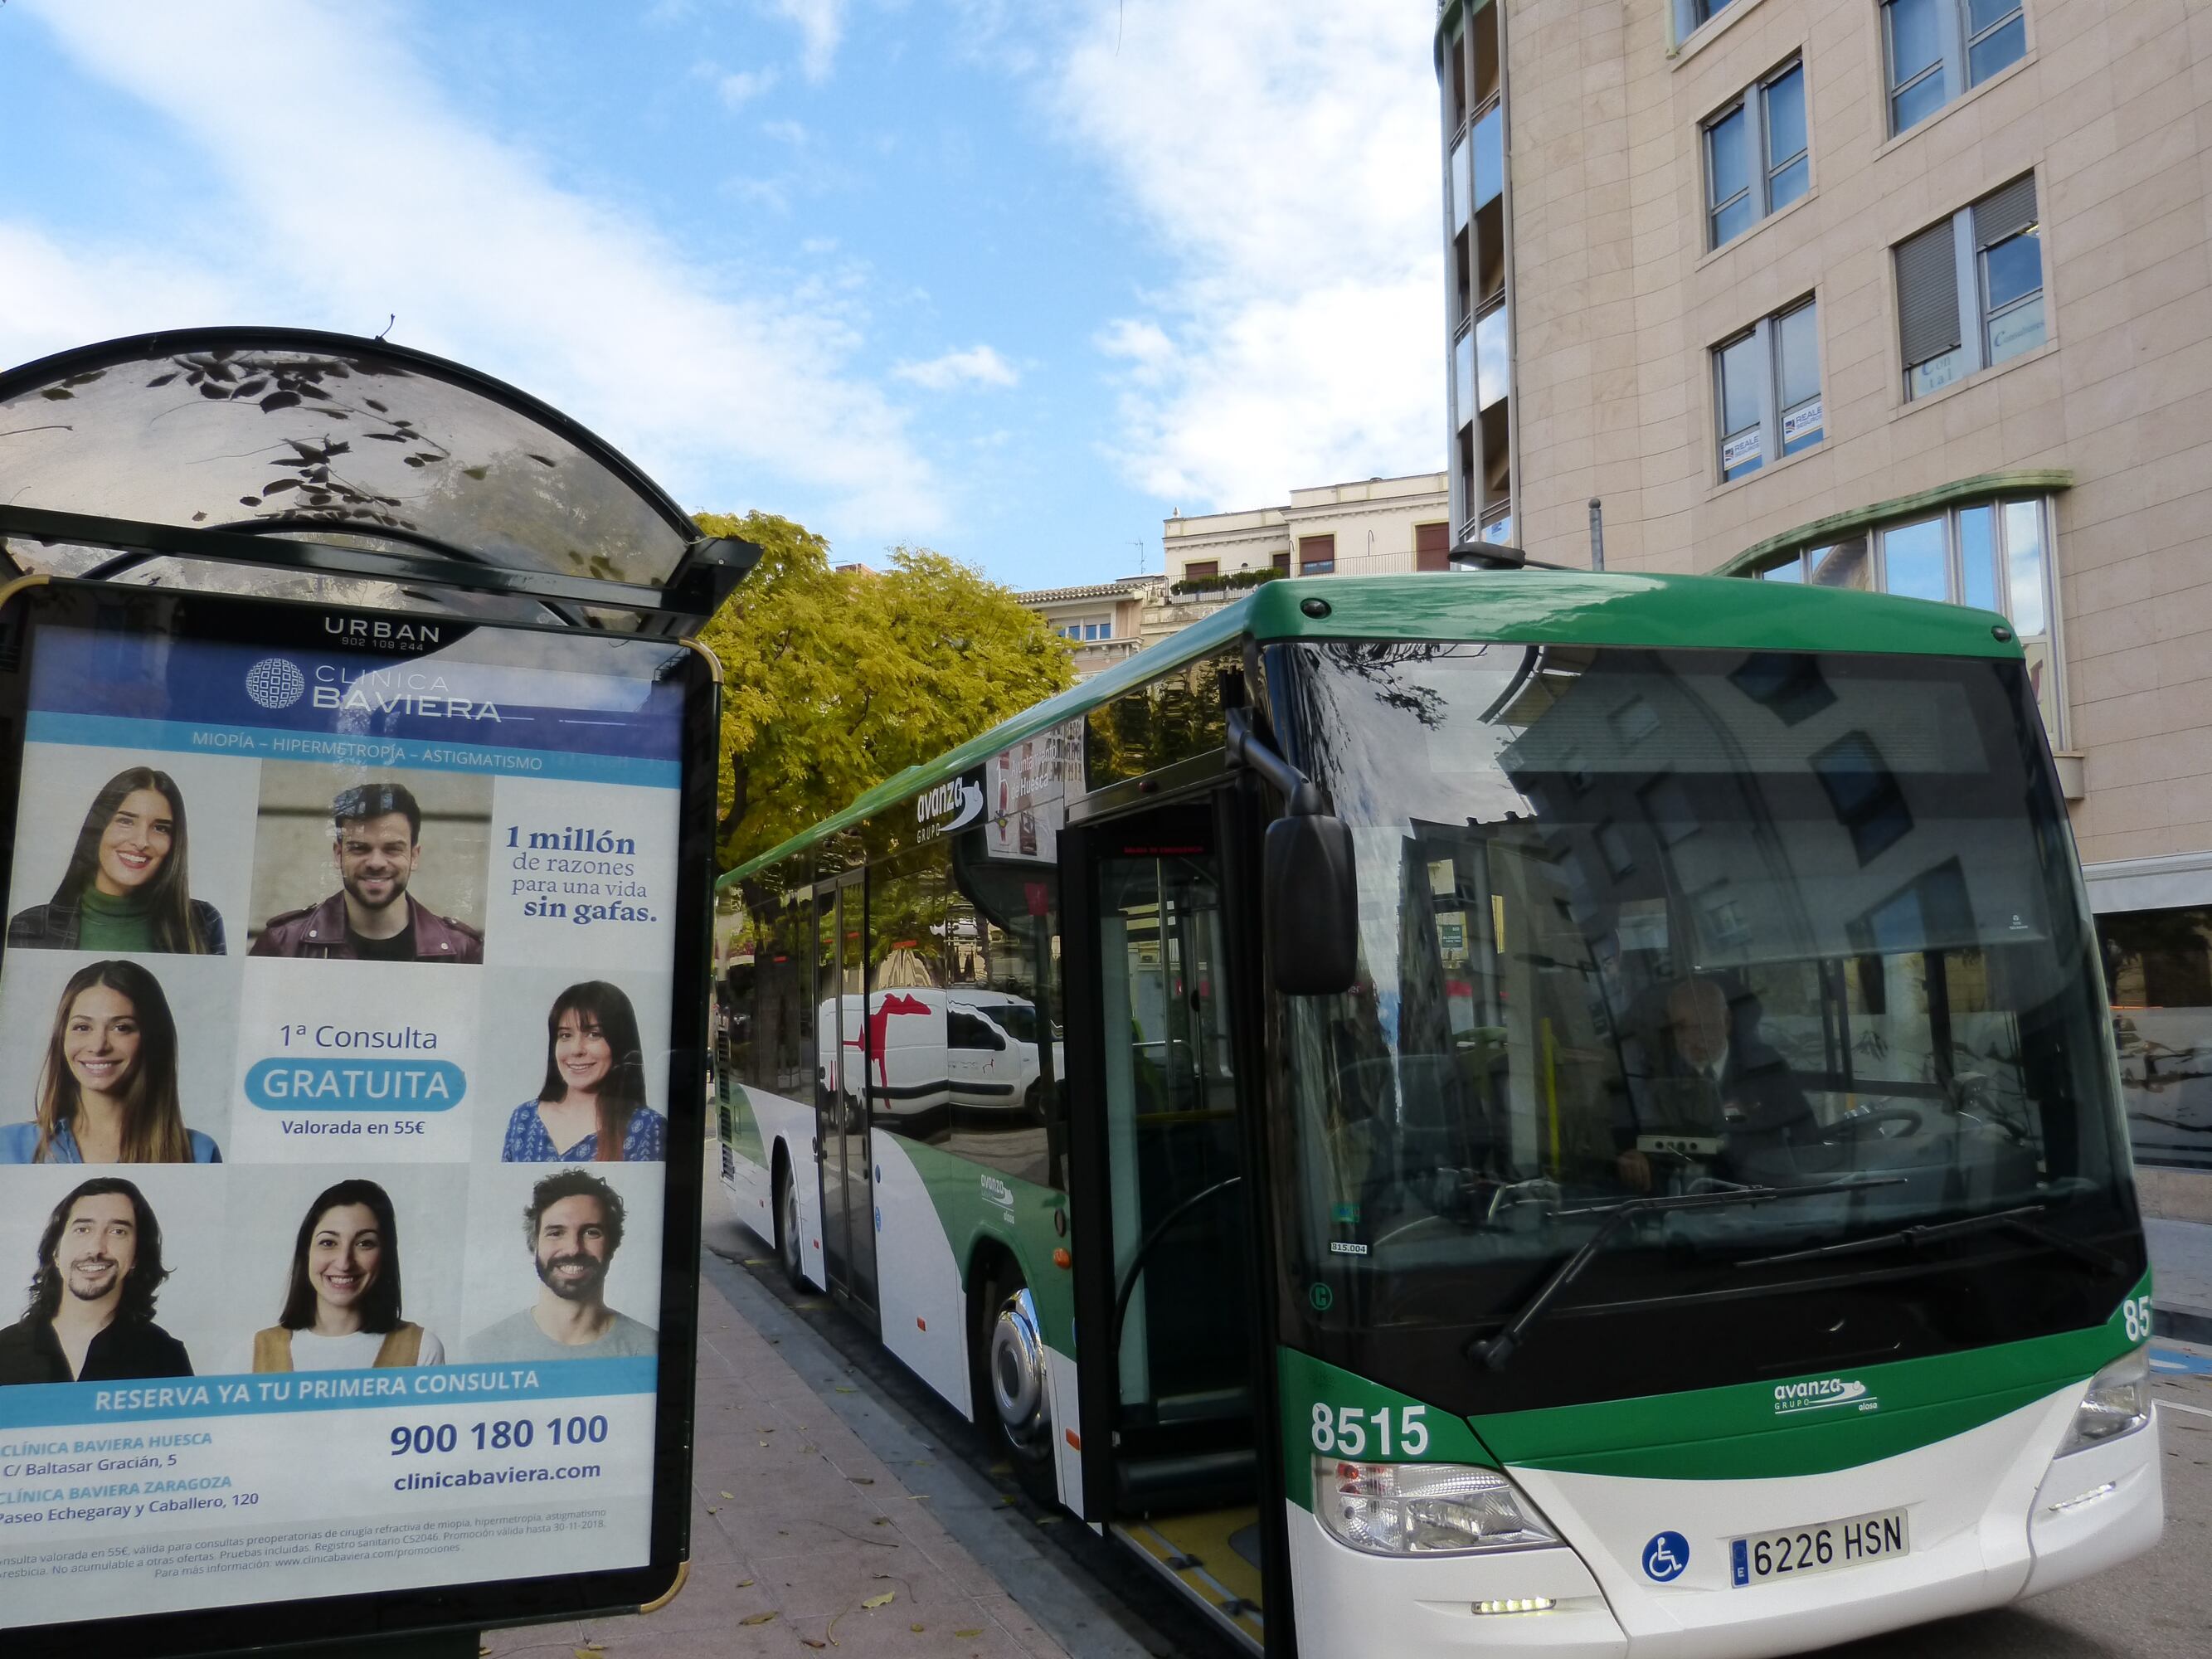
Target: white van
970, 1049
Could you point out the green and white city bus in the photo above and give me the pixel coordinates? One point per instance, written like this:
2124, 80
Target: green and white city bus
1554, 1111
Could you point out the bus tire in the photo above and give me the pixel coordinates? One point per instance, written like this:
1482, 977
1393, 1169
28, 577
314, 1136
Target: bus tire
1006, 1356
788, 1249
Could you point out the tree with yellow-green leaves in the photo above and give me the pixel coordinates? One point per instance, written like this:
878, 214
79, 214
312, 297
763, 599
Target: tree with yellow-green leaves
833, 682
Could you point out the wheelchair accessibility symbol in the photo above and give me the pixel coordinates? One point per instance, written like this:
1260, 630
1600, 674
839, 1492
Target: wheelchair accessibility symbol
1666, 1556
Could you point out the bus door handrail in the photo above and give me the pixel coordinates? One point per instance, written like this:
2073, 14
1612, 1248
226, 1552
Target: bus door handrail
1136, 1267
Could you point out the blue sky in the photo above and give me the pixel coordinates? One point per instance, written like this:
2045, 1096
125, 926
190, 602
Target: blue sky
1009, 278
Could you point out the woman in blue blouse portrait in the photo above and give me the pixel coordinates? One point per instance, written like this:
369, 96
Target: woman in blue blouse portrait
107, 1093
590, 1108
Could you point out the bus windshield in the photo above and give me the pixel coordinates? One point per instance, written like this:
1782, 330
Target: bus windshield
1649, 922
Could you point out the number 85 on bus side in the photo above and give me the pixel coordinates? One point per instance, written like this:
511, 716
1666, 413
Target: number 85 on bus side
1343, 1429
2135, 1313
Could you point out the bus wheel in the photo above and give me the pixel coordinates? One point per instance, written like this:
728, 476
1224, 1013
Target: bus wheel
1015, 1409
787, 1248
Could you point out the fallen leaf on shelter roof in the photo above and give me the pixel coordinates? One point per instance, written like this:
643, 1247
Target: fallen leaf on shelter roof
729, 1494
883, 1601
967, 1635
757, 1618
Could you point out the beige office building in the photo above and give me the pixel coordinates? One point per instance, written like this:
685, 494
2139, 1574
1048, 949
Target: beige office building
1911, 294
1373, 527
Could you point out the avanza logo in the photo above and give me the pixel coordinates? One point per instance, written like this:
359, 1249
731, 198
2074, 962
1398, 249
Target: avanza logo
948, 807
1792, 1398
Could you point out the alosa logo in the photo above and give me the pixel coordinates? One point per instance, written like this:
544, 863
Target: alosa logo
948, 807
1794, 1399
275, 682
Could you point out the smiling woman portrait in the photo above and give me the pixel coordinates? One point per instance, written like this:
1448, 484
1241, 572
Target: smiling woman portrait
107, 1092
125, 888
590, 1108
342, 1309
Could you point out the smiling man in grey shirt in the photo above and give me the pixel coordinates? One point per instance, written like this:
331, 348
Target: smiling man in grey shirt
573, 1226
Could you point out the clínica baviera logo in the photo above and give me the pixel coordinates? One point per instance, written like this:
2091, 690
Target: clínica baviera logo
276, 682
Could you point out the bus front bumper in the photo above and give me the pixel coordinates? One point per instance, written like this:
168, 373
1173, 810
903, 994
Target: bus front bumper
1993, 1517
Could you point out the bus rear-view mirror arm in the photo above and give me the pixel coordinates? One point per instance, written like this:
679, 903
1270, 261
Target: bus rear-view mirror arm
1309, 887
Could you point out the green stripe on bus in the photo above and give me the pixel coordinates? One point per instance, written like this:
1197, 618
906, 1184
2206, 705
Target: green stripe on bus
1765, 1430
966, 1197
1745, 1431
1309, 1387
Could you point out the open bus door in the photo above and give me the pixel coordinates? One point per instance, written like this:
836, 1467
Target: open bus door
1166, 1171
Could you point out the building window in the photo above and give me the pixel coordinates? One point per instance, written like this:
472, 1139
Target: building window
1756, 160
1690, 15
1431, 547
1970, 290
1938, 49
1766, 388
1317, 555
1198, 569
2158, 971
1994, 555
1281, 563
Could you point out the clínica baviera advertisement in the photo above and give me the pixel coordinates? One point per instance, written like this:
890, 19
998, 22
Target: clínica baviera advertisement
335, 1006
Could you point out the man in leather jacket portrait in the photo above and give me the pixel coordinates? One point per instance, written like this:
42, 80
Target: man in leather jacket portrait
377, 843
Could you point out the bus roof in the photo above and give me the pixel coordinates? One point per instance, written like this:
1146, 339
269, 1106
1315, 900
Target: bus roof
1532, 607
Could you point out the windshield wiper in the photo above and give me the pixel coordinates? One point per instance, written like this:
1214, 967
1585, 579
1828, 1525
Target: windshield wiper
2021, 1220
1495, 1351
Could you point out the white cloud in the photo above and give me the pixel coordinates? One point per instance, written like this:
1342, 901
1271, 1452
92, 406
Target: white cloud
726, 396
821, 26
1283, 152
738, 88
977, 365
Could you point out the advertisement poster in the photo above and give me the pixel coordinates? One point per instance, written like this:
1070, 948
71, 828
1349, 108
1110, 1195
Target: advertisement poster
333, 1102
1027, 789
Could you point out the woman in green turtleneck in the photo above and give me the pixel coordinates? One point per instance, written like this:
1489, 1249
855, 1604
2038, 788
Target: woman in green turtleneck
125, 887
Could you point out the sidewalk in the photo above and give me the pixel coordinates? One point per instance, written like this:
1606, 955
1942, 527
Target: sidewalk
2181, 1278
803, 1541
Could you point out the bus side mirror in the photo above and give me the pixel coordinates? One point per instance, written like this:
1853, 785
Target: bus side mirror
1312, 905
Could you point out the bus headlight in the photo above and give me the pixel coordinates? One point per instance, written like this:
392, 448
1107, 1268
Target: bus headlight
1425, 1509
2117, 1403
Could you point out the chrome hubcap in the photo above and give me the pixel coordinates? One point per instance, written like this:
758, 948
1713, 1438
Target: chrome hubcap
1017, 1367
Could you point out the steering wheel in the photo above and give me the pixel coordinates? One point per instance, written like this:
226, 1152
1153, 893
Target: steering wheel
1851, 1127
